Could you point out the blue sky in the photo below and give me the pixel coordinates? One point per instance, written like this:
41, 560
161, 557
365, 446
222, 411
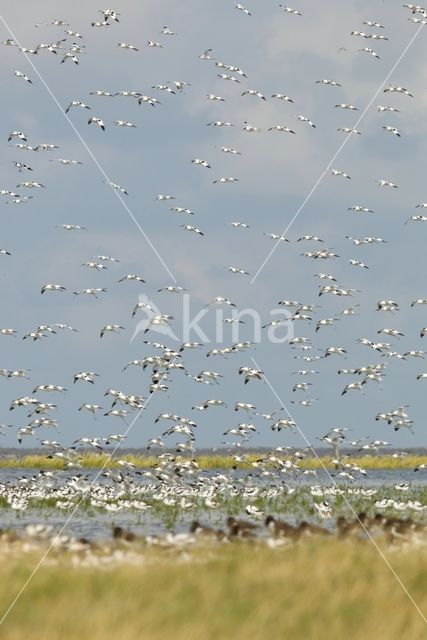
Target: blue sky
279, 53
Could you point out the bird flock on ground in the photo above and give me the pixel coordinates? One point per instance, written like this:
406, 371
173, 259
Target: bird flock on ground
182, 495
385, 524
35, 402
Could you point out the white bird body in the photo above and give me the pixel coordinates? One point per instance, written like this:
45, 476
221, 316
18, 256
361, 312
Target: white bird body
294, 12
125, 45
221, 300
110, 328
282, 96
349, 130
372, 52
76, 103
92, 408
331, 83
124, 123
254, 92
238, 270
307, 120
90, 292
282, 128
52, 287
196, 230
397, 89
241, 7
382, 109
393, 130
344, 105
202, 163
225, 179
337, 172
386, 183
225, 76
131, 277
20, 74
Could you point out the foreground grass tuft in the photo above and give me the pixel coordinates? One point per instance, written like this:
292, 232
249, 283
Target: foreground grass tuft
314, 590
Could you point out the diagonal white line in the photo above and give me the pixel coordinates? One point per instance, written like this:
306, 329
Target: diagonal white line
89, 151
367, 532
70, 517
340, 148
106, 177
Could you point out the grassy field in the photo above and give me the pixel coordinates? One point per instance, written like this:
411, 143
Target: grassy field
91, 460
311, 591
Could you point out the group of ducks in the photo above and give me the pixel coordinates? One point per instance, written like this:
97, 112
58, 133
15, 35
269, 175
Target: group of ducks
275, 533
360, 527
239, 528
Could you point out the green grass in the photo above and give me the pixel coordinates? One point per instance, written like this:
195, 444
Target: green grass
311, 591
90, 460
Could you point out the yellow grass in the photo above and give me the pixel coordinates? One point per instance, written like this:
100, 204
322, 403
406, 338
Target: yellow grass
313, 591
97, 460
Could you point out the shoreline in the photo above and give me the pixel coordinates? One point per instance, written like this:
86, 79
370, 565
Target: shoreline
89, 460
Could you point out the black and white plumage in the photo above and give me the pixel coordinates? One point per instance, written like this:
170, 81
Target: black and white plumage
98, 121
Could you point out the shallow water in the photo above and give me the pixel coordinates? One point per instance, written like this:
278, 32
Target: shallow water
98, 523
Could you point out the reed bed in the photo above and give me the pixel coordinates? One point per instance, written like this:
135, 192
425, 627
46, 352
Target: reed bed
91, 460
319, 589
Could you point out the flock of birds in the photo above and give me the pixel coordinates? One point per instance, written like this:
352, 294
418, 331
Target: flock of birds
180, 487
274, 533
165, 362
